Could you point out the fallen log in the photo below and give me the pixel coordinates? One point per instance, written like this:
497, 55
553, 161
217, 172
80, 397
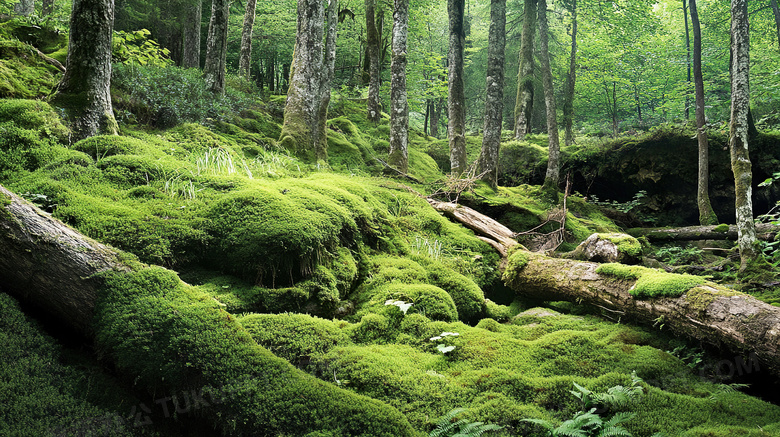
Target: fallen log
164, 338
482, 225
764, 231
735, 322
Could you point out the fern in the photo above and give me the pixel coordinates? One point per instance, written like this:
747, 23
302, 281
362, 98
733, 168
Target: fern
448, 427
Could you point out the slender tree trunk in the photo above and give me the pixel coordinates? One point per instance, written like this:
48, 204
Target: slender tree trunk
191, 30
270, 71
245, 57
687, 58
25, 8
399, 115
303, 130
554, 146
456, 105
525, 78
568, 102
776, 12
706, 214
372, 50
427, 116
435, 117
84, 90
738, 132
47, 7
216, 47
494, 95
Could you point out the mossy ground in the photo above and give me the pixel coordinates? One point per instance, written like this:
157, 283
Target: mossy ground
290, 268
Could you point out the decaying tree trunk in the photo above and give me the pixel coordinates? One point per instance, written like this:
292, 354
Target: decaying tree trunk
494, 95
84, 90
456, 104
525, 77
491, 231
245, 58
764, 231
216, 47
398, 156
190, 46
736, 322
554, 144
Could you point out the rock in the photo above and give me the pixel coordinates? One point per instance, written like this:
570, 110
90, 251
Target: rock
608, 248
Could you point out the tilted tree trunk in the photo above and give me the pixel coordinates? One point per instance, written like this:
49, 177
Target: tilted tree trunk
738, 132
399, 112
706, 214
776, 12
372, 50
494, 95
216, 47
571, 78
687, 56
190, 56
764, 231
736, 322
305, 114
456, 103
245, 57
525, 78
554, 144
84, 91
489, 230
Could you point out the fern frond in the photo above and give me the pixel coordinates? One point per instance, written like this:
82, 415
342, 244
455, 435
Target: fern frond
445, 425
544, 423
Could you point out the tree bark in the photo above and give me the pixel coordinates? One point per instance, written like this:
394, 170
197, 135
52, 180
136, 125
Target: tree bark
372, 50
190, 57
399, 115
776, 13
25, 7
571, 78
245, 57
84, 91
494, 95
216, 47
456, 104
688, 56
738, 133
733, 321
706, 214
525, 77
47, 7
553, 142
764, 231
501, 237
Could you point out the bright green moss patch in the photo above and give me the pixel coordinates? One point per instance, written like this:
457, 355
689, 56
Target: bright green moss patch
652, 283
723, 227
428, 300
625, 243
22, 73
702, 297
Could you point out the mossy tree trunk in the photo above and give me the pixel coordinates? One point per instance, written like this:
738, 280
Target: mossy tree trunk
84, 91
706, 214
399, 115
764, 231
738, 133
525, 77
456, 103
494, 94
571, 78
190, 56
216, 47
245, 57
305, 113
372, 50
553, 143
737, 323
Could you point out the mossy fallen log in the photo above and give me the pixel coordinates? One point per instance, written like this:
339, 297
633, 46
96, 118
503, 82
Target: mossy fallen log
491, 231
688, 305
764, 231
165, 338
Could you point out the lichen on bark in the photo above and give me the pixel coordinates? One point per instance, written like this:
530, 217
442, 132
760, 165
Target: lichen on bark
399, 116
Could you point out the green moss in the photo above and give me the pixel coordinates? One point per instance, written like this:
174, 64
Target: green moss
101, 146
723, 227
625, 243
429, 300
701, 297
501, 313
467, 296
651, 283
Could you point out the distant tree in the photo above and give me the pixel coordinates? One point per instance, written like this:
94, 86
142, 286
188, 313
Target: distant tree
245, 57
571, 79
372, 49
456, 105
25, 7
776, 13
190, 57
494, 95
525, 77
399, 115
216, 47
687, 57
84, 91
554, 146
306, 110
47, 7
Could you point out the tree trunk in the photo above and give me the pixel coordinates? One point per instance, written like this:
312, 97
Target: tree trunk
456, 104
84, 90
270, 71
706, 214
568, 102
399, 113
372, 50
525, 78
738, 133
494, 95
717, 315
435, 117
82, 283
245, 57
776, 12
190, 57
491, 231
47, 7
554, 145
764, 231
688, 55
305, 114
25, 8
216, 47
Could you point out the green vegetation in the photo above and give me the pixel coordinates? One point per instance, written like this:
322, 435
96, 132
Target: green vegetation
625, 243
651, 283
